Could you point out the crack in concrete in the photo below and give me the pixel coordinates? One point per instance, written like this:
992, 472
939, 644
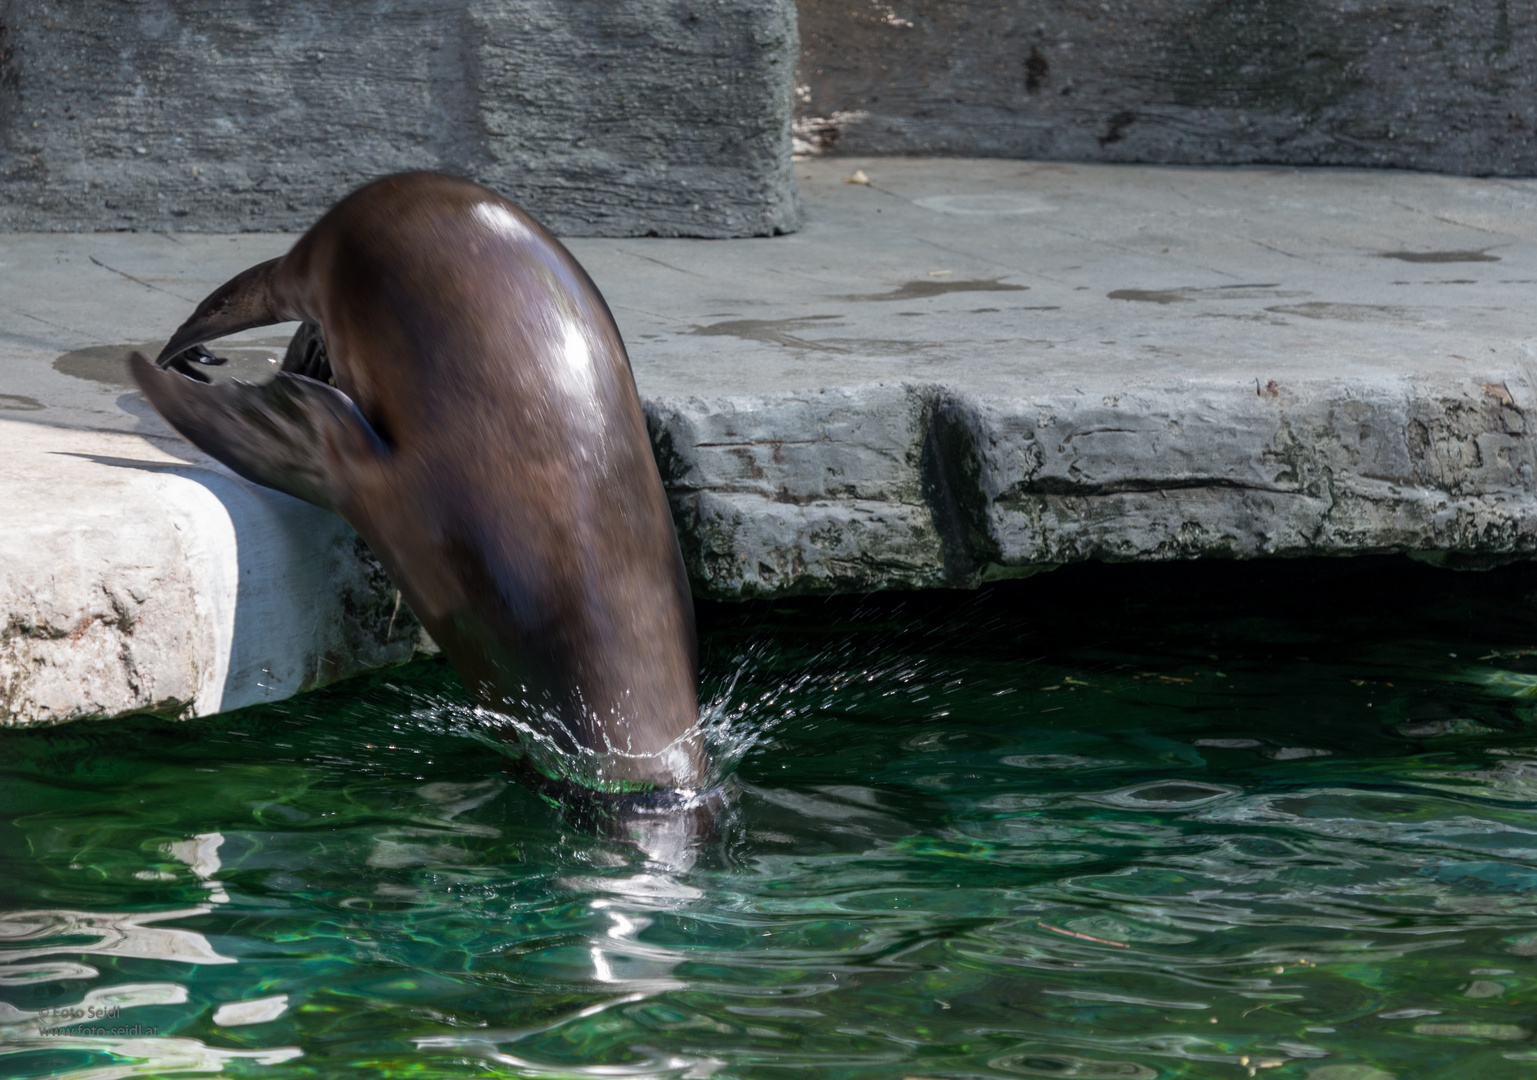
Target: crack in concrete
140, 281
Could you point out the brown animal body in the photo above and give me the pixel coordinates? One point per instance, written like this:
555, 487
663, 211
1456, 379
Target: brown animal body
485, 438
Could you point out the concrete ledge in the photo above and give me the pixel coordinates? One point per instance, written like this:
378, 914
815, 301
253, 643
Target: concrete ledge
958, 488
134, 581
960, 372
1341, 467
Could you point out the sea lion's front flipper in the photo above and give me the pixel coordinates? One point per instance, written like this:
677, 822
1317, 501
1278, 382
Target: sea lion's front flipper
294, 434
246, 300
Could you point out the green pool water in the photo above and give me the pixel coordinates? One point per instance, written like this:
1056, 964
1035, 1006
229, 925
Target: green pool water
1199, 821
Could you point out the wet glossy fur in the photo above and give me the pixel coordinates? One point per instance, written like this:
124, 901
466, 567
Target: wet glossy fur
485, 437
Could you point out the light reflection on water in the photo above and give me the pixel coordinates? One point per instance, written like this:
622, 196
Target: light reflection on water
1199, 822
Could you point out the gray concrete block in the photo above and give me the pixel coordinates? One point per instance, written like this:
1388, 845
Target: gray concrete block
602, 117
803, 491
1341, 467
1418, 84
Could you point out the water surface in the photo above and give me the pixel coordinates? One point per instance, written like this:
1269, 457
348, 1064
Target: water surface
1202, 821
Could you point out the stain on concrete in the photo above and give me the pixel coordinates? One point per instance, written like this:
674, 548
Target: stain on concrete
1151, 296
1261, 291
19, 403
1037, 70
787, 332
985, 204
1345, 312
1118, 125
952, 467
251, 361
773, 331
1439, 256
924, 288
882, 346
105, 364
1269, 320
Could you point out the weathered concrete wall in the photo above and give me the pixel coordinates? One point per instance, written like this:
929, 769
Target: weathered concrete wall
602, 117
1422, 84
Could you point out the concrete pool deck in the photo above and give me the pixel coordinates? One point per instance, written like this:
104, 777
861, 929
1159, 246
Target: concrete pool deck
961, 371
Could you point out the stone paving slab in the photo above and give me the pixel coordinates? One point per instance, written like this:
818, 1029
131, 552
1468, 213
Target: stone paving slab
961, 371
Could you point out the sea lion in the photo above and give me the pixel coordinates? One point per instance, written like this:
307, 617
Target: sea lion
484, 436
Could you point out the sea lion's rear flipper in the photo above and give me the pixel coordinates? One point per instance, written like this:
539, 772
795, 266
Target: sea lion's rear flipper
307, 354
244, 301
294, 434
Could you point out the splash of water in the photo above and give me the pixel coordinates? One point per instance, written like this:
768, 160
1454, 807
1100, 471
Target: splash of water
741, 712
